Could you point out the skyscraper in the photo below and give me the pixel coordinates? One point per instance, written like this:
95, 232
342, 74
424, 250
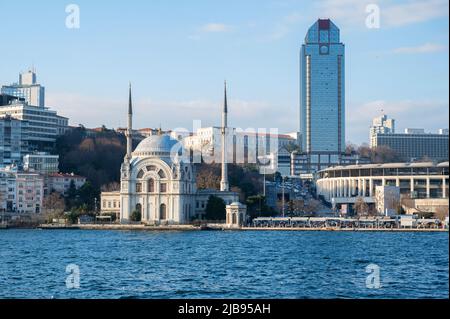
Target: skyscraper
322, 101
322, 90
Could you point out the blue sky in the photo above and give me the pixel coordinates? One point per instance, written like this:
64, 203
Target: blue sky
177, 54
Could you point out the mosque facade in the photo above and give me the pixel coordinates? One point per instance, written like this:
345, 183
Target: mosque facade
159, 183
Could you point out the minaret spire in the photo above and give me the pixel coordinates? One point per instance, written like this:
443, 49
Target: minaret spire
224, 186
129, 133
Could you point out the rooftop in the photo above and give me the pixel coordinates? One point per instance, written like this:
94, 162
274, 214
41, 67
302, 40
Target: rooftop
389, 165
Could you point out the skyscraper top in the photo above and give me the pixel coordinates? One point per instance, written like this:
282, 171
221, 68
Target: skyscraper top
28, 78
323, 31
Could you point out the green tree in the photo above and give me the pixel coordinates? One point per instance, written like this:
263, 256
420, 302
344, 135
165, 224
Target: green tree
215, 208
257, 207
136, 216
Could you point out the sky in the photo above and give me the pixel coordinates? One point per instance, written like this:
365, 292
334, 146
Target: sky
177, 54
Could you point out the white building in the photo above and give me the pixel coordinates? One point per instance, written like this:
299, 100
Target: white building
7, 189
29, 193
27, 89
387, 200
44, 125
414, 131
41, 162
427, 184
60, 183
381, 125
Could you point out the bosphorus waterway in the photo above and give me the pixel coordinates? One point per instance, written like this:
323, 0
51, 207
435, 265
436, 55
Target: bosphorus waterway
222, 264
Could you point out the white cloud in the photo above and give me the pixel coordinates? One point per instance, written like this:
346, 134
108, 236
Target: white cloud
353, 12
414, 12
210, 28
425, 48
215, 27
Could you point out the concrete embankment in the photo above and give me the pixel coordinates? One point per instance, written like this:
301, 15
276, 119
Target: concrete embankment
122, 227
344, 229
223, 227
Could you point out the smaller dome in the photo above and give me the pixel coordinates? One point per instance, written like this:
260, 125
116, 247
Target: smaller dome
156, 145
237, 204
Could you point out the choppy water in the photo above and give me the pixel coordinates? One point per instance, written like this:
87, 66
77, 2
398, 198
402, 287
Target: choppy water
116, 264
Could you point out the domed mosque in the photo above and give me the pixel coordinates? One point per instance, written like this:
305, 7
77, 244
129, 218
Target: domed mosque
159, 183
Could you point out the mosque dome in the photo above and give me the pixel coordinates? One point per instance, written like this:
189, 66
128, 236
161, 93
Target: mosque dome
156, 145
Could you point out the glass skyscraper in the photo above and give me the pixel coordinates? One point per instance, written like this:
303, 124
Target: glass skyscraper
322, 91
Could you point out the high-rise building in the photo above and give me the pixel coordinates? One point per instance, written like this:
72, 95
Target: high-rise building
322, 100
322, 90
25, 101
381, 125
13, 140
27, 89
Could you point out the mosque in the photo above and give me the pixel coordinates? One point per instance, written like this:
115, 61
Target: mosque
160, 184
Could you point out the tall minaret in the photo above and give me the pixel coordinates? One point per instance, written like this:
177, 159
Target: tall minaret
129, 133
224, 187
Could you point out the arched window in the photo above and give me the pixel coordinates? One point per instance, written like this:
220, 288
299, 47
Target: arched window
140, 174
163, 188
163, 212
161, 174
151, 185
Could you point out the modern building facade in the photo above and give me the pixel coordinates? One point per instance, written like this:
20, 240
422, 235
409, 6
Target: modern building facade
25, 101
322, 90
307, 165
342, 185
322, 100
44, 125
13, 140
414, 145
27, 89
41, 162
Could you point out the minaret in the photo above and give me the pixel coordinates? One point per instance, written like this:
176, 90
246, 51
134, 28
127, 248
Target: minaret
224, 187
129, 133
